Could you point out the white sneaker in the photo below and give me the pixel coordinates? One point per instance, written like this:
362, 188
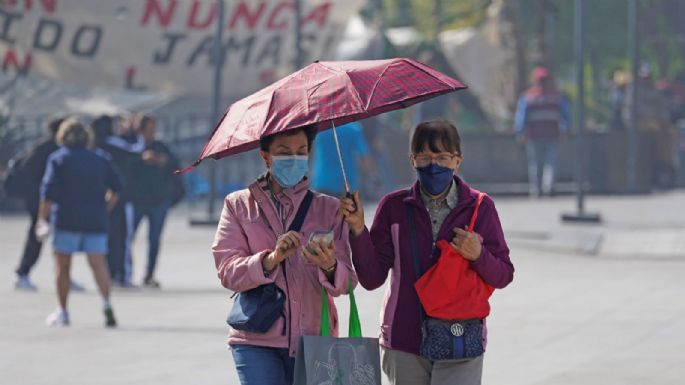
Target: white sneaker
58, 317
24, 284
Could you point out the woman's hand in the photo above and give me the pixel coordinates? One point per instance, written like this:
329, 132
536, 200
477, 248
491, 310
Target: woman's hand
286, 245
467, 243
323, 254
355, 220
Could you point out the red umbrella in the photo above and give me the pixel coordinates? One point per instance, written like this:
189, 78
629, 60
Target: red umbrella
326, 94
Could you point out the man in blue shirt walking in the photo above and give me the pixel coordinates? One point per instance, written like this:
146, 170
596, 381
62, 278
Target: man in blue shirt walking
326, 174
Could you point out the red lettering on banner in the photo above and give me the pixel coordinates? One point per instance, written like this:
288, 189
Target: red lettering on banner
164, 16
10, 59
48, 6
272, 24
131, 78
318, 15
242, 11
193, 23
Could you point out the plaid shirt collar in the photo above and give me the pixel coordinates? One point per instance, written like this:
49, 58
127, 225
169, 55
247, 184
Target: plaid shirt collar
450, 200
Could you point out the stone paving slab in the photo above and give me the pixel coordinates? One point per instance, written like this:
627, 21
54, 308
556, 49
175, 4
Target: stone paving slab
567, 319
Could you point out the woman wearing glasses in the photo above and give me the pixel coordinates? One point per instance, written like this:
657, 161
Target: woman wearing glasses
438, 207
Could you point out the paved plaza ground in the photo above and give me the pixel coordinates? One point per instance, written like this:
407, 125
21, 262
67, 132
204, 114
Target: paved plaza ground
590, 304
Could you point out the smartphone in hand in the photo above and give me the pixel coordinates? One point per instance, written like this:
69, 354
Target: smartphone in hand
316, 236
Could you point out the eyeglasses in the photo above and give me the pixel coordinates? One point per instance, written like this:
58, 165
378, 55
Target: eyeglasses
443, 160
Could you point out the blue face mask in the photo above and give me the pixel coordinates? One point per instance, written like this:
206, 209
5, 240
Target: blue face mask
289, 170
434, 178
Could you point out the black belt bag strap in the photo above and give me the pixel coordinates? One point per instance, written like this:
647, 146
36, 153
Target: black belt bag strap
256, 310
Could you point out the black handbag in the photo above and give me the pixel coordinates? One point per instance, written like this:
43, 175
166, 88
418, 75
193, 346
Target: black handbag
256, 310
444, 339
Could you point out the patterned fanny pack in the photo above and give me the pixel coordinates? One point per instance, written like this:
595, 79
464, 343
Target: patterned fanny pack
450, 340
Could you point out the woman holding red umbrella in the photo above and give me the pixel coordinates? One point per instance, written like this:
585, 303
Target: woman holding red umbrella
253, 238
256, 245
412, 229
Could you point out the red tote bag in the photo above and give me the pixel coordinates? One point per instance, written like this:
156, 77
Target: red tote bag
451, 290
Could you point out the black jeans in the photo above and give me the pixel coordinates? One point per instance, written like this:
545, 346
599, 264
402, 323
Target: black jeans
32, 246
156, 216
116, 241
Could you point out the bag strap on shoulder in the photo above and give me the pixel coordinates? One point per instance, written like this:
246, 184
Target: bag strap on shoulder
481, 196
296, 225
414, 251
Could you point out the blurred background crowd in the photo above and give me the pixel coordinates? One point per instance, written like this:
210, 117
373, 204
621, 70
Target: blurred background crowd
139, 73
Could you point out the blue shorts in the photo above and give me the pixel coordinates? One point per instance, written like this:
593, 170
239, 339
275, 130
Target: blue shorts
69, 242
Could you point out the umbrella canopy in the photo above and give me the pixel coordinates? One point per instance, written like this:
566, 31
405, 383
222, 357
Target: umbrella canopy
325, 94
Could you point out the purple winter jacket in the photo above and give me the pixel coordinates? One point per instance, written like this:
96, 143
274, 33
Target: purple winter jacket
387, 247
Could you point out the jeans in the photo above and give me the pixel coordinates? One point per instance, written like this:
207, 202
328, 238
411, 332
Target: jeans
156, 217
542, 164
258, 365
32, 246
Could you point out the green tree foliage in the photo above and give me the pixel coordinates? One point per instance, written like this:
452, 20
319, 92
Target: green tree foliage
422, 14
547, 28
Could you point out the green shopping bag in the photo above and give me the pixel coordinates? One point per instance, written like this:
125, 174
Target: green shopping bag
326, 360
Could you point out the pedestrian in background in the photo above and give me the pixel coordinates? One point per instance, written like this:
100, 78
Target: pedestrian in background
542, 120
154, 190
617, 98
27, 173
25, 183
326, 173
78, 188
441, 205
113, 135
653, 121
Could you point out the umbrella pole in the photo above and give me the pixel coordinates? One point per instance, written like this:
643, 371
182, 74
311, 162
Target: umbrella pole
348, 194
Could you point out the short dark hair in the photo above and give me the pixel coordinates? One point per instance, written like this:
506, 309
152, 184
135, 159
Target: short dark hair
102, 128
53, 125
145, 120
434, 133
310, 131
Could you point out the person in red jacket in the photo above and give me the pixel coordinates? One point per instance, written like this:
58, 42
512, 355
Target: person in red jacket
542, 119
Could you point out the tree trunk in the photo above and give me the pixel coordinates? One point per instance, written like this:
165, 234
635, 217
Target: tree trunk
437, 20
655, 41
514, 11
542, 38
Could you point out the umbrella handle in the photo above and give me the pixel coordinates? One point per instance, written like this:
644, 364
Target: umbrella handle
354, 203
